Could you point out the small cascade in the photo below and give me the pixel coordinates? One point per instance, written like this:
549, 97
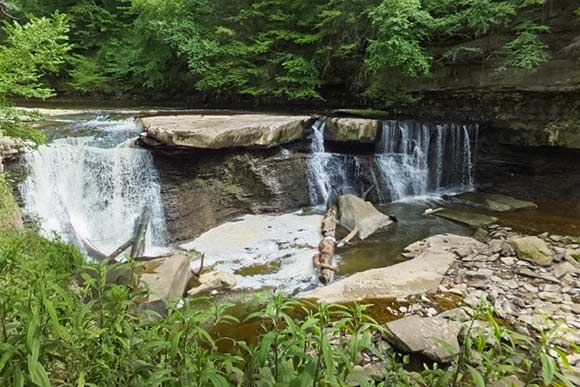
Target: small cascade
412, 160
95, 187
329, 173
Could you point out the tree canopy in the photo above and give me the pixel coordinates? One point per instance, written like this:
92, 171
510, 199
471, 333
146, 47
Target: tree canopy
293, 50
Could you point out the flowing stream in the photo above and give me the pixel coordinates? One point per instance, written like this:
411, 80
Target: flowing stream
412, 160
92, 185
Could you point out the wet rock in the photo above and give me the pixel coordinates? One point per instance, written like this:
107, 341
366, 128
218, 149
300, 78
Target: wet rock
213, 281
533, 249
351, 130
508, 381
420, 275
494, 202
468, 218
167, 281
226, 131
433, 337
355, 212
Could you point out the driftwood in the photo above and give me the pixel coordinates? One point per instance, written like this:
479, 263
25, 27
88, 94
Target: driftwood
140, 232
323, 258
119, 250
198, 272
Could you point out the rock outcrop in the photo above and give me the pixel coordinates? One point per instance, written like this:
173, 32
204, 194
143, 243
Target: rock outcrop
202, 189
167, 280
351, 130
419, 275
224, 132
360, 214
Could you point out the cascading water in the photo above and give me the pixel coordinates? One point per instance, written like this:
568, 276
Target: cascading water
412, 159
94, 187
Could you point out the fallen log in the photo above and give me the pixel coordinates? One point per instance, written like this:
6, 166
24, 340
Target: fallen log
140, 232
119, 250
323, 258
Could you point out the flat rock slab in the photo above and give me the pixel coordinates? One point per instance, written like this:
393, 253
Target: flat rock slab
419, 275
355, 212
167, 280
351, 130
495, 202
433, 337
468, 218
225, 131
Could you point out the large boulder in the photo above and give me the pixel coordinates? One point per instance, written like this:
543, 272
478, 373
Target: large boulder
167, 280
495, 202
355, 212
422, 274
533, 249
433, 337
351, 130
223, 132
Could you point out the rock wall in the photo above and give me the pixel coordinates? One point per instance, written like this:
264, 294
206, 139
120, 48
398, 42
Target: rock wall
531, 108
202, 189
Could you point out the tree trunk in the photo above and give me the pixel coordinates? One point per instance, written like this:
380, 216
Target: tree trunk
323, 258
140, 233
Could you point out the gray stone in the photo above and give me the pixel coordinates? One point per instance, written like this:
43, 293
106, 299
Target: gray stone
351, 130
167, 280
507, 381
420, 275
355, 212
564, 268
226, 131
433, 337
460, 314
494, 202
533, 249
509, 261
213, 281
467, 218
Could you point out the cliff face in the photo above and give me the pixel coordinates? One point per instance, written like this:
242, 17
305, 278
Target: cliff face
531, 108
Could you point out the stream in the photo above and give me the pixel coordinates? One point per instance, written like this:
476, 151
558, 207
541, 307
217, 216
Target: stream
90, 182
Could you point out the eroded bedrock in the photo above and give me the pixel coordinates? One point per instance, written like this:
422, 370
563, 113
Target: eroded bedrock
224, 131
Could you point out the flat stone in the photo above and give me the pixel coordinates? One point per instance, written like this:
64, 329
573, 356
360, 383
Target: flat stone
533, 249
564, 268
460, 314
420, 275
495, 202
468, 218
213, 281
351, 130
167, 280
225, 131
433, 337
355, 212
481, 273
509, 261
507, 381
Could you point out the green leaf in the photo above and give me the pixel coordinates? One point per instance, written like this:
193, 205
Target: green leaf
476, 377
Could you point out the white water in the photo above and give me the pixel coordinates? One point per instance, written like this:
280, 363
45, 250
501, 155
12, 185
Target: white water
95, 187
412, 161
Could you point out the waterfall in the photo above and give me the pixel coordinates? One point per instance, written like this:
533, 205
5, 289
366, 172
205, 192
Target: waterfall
329, 173
412, 160
94, 187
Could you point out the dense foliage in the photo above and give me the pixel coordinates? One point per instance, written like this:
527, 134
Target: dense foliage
65, 324
290, 50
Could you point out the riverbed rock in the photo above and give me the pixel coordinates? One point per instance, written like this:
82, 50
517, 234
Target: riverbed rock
225, 131
507, 381
468, 218
351, 130
419, 275
495, 202
167, 280
355, 212
433, 337
213, 281
533, 249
